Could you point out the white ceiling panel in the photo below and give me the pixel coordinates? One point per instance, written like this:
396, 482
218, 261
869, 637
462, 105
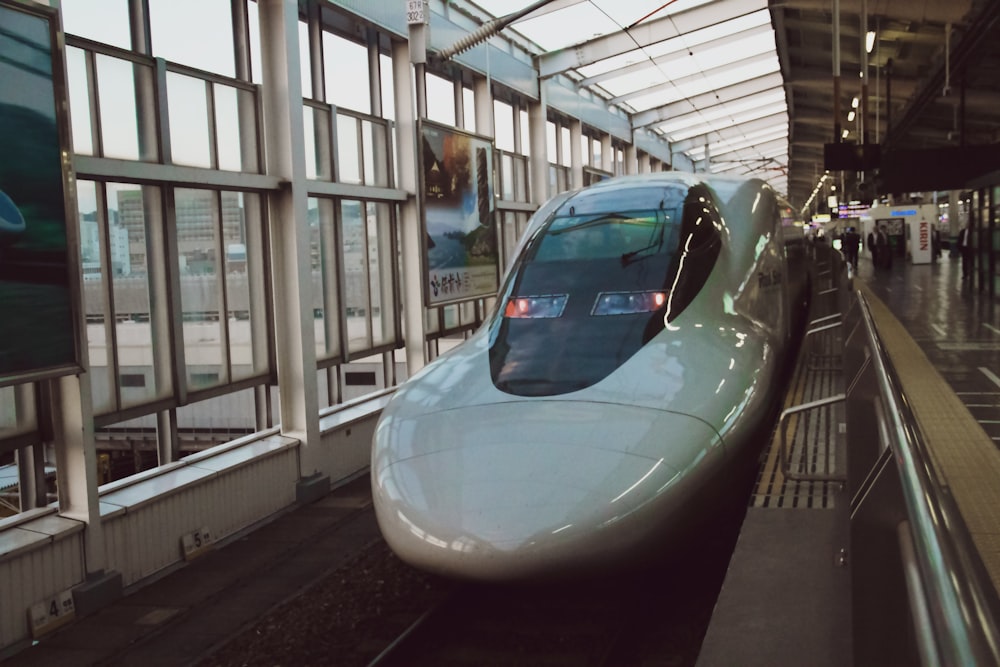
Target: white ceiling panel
694, 71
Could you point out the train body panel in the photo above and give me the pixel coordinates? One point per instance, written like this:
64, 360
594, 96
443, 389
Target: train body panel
637, 343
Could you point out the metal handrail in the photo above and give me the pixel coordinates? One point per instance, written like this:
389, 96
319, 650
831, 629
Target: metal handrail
954, 594
786, 465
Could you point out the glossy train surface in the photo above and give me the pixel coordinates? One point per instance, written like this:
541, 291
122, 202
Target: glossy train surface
636, 346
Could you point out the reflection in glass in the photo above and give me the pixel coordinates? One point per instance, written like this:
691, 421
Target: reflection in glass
566, 145
325, 282
100, 20
187, 105
506, 177
371, 152
320, 315
508, 227
346, 71
119, 122
177, 25
440, 100
348, 150
239, 312
253, 21
94, 251
79, 100
380, 254
132, 207
305, 69
469, 109
245, 287
356, 293
198, 246
318, 143
309, 132
551, 147
388, 92
503, 122
525, 145
236, 128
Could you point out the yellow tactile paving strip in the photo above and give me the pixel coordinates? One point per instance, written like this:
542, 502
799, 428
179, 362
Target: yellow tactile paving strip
965, 456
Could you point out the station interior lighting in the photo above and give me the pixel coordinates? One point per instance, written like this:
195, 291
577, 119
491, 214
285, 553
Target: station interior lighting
815, 192
870, 41
850, 115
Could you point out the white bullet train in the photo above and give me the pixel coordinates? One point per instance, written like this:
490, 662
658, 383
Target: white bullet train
638, 344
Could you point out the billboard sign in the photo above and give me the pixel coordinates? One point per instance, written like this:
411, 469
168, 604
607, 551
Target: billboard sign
461, 248
38, 326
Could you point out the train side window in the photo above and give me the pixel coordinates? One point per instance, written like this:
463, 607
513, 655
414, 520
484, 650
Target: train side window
700, 237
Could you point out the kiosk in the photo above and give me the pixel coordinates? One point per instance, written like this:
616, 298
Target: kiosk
912, 225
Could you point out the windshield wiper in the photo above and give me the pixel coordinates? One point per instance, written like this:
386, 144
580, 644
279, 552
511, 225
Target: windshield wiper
632, 255
603, 220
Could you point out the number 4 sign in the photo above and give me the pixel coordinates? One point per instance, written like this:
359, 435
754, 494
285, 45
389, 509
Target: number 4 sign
48, 615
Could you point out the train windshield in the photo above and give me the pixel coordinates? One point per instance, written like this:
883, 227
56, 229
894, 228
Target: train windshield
627, 236
597, 282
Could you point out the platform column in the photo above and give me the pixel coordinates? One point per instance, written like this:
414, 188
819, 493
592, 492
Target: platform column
69, 412
955, 222
295, 337
537, 117
409, 210
576, 154
607, 154
631, 159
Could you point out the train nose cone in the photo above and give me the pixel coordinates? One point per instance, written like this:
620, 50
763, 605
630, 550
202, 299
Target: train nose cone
523, 489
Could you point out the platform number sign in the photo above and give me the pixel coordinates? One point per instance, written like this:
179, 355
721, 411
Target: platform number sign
416, 12
196, 542
48, 615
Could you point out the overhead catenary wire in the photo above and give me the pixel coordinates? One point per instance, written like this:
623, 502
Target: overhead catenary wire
487, 30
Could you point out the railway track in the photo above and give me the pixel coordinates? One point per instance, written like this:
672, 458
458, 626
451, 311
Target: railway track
654, 616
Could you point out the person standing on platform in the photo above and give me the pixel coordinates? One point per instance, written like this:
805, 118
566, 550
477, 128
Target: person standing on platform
965, 247
883, 251
851, 243
935, 243
872, 246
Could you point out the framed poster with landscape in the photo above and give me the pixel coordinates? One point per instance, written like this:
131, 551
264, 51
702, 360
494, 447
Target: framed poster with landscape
38, 326
461, 251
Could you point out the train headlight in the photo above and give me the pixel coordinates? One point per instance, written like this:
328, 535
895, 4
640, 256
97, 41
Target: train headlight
549, 305
624, 303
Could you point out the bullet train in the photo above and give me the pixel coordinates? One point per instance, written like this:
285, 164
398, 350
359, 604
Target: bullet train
637, 347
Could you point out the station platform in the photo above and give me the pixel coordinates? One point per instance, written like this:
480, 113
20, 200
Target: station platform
191, 611
786, 598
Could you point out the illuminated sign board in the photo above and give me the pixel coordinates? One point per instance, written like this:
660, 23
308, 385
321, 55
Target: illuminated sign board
852, 209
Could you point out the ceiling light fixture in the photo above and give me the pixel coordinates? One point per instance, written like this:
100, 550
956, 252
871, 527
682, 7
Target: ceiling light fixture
870, 41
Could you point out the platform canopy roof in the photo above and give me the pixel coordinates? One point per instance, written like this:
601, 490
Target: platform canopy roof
747, 86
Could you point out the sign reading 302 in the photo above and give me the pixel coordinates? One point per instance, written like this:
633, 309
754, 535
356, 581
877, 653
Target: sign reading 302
416, 12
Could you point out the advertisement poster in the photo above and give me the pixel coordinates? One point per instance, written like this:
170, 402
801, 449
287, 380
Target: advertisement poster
37, 325
461, 250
